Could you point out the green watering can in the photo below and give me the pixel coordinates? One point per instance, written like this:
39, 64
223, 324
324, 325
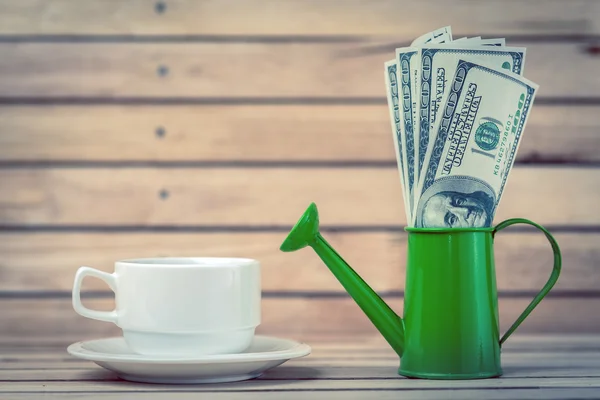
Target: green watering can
450, 328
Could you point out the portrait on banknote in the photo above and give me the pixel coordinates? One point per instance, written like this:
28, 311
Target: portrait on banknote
456, 202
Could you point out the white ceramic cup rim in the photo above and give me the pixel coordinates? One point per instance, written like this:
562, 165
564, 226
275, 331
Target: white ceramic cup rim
188, 262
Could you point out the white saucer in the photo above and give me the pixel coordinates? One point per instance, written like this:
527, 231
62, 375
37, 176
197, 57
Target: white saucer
264, 353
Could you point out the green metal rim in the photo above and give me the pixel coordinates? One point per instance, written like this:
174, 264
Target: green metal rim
448, 230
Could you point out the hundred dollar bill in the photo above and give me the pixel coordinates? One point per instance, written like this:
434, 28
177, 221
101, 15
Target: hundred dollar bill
467, 39
391, 86
407, 74
474, 41
501, 42
478, 41
441, 35
476, 138
407, 116
437, 63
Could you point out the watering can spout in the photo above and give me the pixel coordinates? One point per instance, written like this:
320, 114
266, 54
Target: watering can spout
306, 233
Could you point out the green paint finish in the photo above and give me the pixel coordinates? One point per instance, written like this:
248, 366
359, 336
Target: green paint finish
450, 328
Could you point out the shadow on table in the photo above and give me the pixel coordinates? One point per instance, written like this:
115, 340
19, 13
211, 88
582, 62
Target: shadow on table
273, 376
550, 371
291, 373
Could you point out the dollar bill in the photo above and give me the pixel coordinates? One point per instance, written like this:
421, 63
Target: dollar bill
475, 141
391, 86
438, 62
500, 42
407, 114
467, 39
478, 41
407, 74
440, 35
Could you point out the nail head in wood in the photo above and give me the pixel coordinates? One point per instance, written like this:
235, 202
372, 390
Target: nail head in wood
160, 7
164, 194
160, 132
162, 70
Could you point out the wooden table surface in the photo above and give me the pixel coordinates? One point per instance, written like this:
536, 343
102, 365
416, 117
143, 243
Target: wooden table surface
535, 367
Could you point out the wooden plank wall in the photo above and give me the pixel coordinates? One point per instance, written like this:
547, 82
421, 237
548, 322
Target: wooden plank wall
192, 127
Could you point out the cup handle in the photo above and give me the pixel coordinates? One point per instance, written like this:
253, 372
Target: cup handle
111, 281
551, 281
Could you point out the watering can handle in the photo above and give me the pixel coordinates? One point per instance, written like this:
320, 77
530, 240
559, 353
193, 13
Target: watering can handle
551, 281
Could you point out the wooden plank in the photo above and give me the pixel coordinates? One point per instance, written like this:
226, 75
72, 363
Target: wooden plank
265, 196
316, 366
255, 133
313, 17
297, 318
453, 394
334, 345
26, 359
309, 385
247, 69
354, 368
300, 369
382, 357
48, 261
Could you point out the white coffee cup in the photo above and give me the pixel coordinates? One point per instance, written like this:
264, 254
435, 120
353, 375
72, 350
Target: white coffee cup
182, 307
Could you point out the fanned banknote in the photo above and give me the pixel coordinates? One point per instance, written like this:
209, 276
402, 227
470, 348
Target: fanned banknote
493, 42
478, 41
457, 108
443, 34
438, 64
412, 59
477, 135
407, 77
391, 84
405, 149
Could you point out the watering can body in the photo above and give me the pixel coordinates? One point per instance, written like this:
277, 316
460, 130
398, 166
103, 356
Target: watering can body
451, 322
450, 326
